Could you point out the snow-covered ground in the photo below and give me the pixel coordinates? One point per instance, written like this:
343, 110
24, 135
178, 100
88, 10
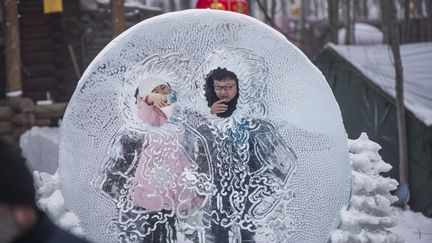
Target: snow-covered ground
412, 227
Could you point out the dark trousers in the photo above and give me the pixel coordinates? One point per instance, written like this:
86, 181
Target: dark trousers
164, 232
220, 234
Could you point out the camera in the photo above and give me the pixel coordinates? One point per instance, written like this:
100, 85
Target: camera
171, 98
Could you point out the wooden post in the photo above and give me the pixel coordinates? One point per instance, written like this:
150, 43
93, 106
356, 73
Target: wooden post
117, 17
12, 49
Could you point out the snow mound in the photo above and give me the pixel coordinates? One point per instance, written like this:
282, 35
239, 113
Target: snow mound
40, 148
50, 199
370, 214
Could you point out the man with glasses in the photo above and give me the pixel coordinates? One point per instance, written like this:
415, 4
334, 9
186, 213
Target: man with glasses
222, 92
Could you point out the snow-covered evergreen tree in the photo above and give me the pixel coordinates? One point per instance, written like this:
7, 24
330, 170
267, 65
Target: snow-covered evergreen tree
369, 213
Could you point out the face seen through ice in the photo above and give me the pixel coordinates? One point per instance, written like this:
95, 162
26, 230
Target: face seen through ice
162, 89
225, 89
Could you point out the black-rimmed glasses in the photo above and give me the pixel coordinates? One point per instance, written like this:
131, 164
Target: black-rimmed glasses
225, 88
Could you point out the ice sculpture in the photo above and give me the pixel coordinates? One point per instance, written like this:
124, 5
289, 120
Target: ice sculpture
276, 170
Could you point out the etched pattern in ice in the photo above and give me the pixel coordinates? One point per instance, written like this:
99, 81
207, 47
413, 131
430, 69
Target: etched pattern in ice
276, 170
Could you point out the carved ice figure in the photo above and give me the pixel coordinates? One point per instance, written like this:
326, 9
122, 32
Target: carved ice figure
276, 170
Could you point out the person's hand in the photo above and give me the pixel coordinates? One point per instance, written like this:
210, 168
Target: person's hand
157, 100
218, 107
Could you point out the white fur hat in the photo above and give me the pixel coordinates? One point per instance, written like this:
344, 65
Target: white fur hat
148, 83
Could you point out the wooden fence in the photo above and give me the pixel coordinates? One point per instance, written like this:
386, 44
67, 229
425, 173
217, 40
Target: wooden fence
18, 115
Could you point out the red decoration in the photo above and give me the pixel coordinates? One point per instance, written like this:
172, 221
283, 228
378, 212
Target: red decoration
239, 6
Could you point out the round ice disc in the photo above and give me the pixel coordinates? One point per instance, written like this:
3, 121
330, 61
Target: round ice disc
275, 170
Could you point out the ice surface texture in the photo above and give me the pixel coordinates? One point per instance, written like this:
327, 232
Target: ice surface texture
276, 170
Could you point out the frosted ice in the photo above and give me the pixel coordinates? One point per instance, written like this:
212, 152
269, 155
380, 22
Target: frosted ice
287, 126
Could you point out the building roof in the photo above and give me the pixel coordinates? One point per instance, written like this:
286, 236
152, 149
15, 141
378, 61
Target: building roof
376, 63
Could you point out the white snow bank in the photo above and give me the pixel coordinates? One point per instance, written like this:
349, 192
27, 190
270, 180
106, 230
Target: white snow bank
51, 201
40, 148
376, 63
413, 227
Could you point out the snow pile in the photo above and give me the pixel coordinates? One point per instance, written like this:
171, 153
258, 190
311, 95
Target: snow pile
40, 148
51, 201
370, 213
412, 227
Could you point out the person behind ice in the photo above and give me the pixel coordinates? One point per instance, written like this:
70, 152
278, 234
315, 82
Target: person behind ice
154, 98
221, 91
20, 220
161, 164
254, 150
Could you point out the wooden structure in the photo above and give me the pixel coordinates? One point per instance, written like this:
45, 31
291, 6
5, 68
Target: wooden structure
367, 107
46, 66
57, 47
53, 50
17, 115
12, 49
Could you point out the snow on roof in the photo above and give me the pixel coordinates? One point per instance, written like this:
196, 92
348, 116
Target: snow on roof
364, 34
376, 63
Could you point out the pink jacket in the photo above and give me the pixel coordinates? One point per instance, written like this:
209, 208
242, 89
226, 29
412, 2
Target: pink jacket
161, 169
150, 114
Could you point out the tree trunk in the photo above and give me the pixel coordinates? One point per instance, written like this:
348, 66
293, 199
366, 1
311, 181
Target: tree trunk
365, 10
12, 49
357, 13
117, 17
185, 4
171, 5
315, 4
419, 7
273, 10
251, 6
354, 15
284, 8
389, 8
347, 21
385, 26
407, 30
429, 19
333, 13
302, 24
